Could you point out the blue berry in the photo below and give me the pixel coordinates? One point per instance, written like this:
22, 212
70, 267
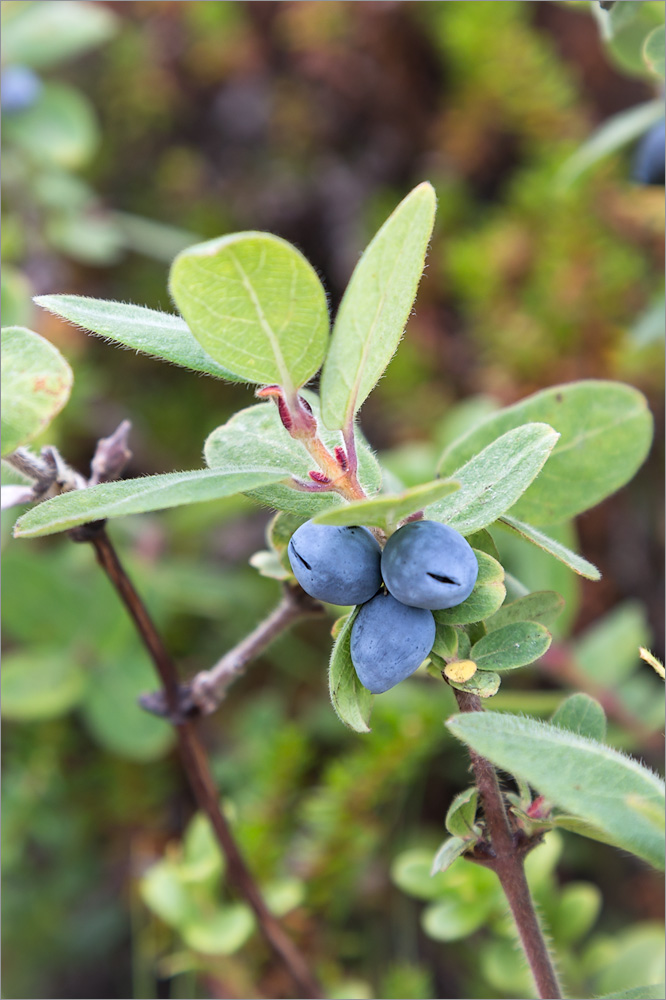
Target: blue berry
426, 564
389, 641
336, 565
19, 89
649, 159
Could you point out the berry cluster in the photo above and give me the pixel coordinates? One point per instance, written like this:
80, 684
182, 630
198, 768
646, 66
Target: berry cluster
425, 566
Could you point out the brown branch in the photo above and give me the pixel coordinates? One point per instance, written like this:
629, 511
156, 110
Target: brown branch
197, 768
505, 855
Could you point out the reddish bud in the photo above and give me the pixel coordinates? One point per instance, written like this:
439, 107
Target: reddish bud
539, 809
319, 477
341, 458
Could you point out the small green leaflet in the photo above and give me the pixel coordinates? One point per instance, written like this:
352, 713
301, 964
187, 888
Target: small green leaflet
485, 599
511, 646
462, 812
447, 854
36, 383
256, 306
484, 683
137, 496
351, 701
583, 715
375, 307
160, 335
386, 511
553, 548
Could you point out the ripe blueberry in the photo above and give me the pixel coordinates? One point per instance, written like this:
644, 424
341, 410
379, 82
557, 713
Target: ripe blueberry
650, 157
336, 565
426, 564
389, 641
19, 88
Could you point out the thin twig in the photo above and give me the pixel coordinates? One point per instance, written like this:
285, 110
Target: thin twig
506, 858
197, 769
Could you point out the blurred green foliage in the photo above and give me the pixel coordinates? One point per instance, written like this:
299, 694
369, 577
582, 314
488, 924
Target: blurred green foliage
311, 120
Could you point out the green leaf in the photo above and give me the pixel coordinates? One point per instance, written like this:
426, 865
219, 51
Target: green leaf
454, 918
41, 35
448, 852
375, 307
608, 650
487, 596
36, 383
40, 684
351, 701
256, 436
577, 910
137, 496
492, 481
462, 813
446, 641
583, 715
484, 683
655, 992
605, 433
386, 511
160, 335
556, 549
256, 306
59, 129
413, 872
654, 54
588, 779
617, 131
542, 606
221, 932
511, 646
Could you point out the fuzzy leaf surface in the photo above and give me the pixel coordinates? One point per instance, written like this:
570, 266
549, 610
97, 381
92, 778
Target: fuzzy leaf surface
542, 606
351, 701
137, 496
584, 777
492, 481
375, 307
605, 433
36, 383
386, 511
256, 306
511, 646
571, 559
583, 715
161, 335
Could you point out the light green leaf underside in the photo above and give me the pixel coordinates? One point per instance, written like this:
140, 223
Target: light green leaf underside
256, 436
387, 510
511, 646
256, 305
492, 481
542, 606
485, 599
556, 549
43, 34
36, 383
485, 683
160, 335
584, 777
137, 496
583, 715
351, 701
462, 812
605, 433
447, 854
375, 307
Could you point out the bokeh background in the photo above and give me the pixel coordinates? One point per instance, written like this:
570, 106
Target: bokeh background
170, 122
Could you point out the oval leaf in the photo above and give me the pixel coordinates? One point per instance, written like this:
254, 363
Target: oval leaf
584, 777
484, 683
605, 433
462, 813
351, 701
387, 510
488, 594
511, 646
44, 34
40, 684
542, 606
375, 307
448, 852
583, 715
160, 335
137, 496
256, 306
36, 383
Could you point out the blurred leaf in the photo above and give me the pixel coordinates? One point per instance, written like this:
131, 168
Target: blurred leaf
588, 779
639, 993
629, 956
605, 432
654, 54
631, 21
648, 327
44, 34
40, 684
454, 918
447, 853
136, 496
542, 606
160, 335
220, 932
411, 872
553, 548
281, 528
90, 238
202, 858
269, 565
284, 895
59, 129
484, 683
36, 383
386, 511
154, 239
583, 715
375, 307
492, 481
165, 894
485, 599
511, 646
256, 305
608, 650
16, 292
617, 131
256, 436
461, 814
351, 701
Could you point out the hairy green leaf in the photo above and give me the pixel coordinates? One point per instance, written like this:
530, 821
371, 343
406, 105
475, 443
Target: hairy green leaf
375, 307
586, 778
386, 511
511, 646
605, 433
351, 701
137, 496
583, 715
447, 853
36, 383
654, 992
160, 335
256, 306
492, 481
461, 813
553, 548
542, 606
487, 596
